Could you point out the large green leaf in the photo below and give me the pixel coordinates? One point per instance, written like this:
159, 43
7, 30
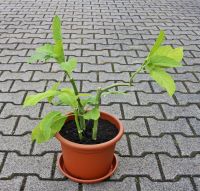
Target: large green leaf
160, 39
167, 51
69, 66
68, 97
57, 36
93, 114
46, 123
48, 126
92, 100
55, 88
34, 99
42, 53
164, 61
163, 79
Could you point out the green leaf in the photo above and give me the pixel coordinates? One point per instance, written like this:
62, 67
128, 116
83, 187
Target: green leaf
69, 66
164, 61
37, 135
167, 51
57, 36
55, 88
67, 97
48, 126
91, 101
163, 79
46, 123
93, 114
34, 99
47, 49
58, 124
160, 39
42, 53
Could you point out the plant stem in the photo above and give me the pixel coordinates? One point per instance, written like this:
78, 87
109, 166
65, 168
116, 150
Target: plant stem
94, 130
137, 71
80, 106
78, 126
114, 85
95, 125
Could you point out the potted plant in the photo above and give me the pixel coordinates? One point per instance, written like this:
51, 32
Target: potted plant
87, 134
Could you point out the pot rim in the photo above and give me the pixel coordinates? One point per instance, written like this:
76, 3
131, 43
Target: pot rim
96, 146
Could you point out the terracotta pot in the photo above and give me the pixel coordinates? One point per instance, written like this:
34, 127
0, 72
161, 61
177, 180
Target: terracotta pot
90, 161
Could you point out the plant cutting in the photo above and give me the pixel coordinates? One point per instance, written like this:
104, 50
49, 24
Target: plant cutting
88, 135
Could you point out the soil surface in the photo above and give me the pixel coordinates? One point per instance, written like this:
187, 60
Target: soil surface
106, 131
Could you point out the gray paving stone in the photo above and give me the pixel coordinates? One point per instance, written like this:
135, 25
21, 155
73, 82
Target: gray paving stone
11, 52
142, 145
142, 111
137, 166
97, 67
173, 167
158, 127
89, 86
179, 87
139, 86
18, 110
16, 98
121, 98
103, 77
21, 144
125, 184
47, 108
195, 125
40, 165
181, 111
5, 86
25, 125
193, 87
7, 75
112, 109
135, 126
64, 84
14, 183
10, 67
56, 68
59, 76
183, 184
28, 86
104, 59
7, 125
197, 182
39, 67
122, 146
52, 145
92, 76
34, 183
184, 99
188, 149
145, 98
1, 157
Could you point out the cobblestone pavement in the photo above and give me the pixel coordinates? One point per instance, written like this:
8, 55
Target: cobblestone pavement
160, 150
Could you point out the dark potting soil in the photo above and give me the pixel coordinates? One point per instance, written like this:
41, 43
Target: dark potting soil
106, 131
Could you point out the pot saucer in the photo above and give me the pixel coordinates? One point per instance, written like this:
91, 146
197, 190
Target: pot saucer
61, 167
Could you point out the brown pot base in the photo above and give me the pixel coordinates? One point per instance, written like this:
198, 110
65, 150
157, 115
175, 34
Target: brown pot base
61, 167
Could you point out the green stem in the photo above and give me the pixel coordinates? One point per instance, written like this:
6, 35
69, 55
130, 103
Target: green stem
95, 125
114, 85
94, 130
137, 71
80, 106
78, 126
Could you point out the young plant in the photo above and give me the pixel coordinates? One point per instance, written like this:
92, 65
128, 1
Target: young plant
87, 106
